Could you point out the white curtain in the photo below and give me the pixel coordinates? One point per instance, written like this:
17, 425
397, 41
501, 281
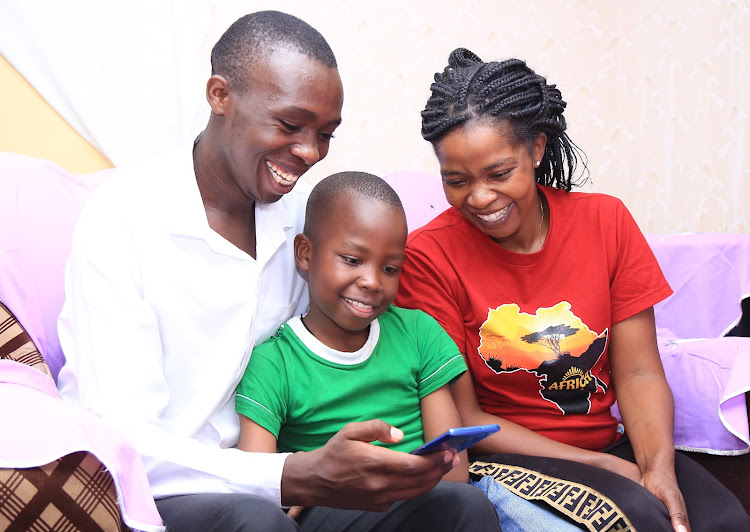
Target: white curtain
127, 75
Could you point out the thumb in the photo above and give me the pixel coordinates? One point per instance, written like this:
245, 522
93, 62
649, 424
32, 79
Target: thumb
372, 430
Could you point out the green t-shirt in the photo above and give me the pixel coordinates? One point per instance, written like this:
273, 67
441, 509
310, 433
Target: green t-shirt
304, 399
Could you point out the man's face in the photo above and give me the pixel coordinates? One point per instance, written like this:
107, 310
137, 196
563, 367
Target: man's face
281, 125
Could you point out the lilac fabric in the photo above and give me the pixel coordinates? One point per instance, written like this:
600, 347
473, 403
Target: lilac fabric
39, 206
421, 194
709, 379
708, 373
45, 428
710, 275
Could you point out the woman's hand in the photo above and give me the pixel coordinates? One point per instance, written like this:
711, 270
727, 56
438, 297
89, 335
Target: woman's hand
620, 466
663, 484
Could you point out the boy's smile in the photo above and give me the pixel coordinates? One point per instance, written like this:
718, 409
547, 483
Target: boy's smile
353, 266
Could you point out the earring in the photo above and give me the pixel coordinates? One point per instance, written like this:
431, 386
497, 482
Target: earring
538, 163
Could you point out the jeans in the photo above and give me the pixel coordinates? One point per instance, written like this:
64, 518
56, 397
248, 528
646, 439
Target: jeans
519, 515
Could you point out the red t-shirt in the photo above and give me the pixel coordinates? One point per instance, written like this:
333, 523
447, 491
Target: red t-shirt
534, 327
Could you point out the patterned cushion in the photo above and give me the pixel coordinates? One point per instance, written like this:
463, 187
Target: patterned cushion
16, 344
73, 493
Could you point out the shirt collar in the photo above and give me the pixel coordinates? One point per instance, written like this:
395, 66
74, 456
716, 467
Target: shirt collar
186, 215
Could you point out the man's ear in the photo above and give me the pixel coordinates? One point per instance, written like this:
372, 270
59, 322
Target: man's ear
302, 251
217, 94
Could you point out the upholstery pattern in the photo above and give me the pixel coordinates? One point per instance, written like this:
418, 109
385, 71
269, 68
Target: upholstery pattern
16, 344
73, 493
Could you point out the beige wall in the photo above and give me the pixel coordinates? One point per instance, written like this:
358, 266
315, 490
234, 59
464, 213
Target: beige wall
658, 92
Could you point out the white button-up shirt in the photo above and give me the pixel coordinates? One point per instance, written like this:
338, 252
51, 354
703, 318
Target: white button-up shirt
161, 315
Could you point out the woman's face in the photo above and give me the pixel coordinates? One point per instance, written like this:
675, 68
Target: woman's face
489, 177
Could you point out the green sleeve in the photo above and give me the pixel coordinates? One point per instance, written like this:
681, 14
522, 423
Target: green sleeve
262, 392
441, 361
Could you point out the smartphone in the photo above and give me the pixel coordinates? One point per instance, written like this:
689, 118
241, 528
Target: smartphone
457, 439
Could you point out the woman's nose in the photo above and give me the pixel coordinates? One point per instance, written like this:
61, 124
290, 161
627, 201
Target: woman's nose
480, 197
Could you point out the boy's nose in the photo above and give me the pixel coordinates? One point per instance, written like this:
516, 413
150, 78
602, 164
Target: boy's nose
369, 281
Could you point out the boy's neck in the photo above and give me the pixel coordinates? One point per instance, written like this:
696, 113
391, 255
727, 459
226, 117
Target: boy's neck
344, 341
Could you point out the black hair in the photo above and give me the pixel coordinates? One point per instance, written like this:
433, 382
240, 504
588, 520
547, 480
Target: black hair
354, 184
506, 91
256, 34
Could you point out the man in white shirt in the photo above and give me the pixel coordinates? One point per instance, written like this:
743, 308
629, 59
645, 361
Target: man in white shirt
181, 265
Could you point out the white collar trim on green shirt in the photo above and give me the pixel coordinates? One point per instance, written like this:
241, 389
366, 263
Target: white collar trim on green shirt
331, 355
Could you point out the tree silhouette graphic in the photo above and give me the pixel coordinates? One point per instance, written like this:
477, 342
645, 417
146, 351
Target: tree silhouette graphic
551, 337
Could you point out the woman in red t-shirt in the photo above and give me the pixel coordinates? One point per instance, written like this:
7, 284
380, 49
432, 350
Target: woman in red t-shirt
549, 294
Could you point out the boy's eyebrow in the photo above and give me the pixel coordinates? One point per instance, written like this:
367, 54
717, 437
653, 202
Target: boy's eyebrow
364, 249
354, 246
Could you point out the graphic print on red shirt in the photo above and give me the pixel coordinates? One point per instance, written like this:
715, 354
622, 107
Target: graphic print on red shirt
553, 344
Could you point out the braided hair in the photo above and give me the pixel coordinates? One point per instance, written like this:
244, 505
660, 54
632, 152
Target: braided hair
507, 91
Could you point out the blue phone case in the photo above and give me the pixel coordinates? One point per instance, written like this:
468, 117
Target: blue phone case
459, 439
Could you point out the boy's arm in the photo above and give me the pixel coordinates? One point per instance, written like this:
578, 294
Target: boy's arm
439, 413
255, 438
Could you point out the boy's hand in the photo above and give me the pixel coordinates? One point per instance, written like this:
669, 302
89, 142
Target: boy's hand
349, 472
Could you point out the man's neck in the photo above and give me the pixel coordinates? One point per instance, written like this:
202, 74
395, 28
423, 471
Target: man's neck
229, 213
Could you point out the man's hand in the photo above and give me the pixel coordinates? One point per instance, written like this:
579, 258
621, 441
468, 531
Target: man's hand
349, 472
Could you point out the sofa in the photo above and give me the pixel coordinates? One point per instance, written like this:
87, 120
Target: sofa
61, 468
703, 350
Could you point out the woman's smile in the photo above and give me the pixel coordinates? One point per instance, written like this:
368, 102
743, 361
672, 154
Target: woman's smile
496, 217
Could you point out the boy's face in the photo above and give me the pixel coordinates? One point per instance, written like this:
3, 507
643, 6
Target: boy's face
353, 269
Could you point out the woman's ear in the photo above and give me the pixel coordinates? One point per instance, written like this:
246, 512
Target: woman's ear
217, 92
302, 251
537, 151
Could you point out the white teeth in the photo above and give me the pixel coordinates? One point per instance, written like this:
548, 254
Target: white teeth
359, 305
495, 216
280, 176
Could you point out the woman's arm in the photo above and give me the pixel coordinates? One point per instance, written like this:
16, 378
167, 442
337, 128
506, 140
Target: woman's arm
439, 414
647, 408
255, 438
513, 438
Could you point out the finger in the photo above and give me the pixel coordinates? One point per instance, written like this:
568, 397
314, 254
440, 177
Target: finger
372, 430
677, 512
294, 511
417, 467
679, 522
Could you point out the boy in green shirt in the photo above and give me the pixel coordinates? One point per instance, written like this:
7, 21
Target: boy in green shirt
353, 356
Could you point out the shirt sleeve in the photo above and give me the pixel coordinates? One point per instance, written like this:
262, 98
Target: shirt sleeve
261, 394
114, 368
441, 361
637, 282
424, 286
